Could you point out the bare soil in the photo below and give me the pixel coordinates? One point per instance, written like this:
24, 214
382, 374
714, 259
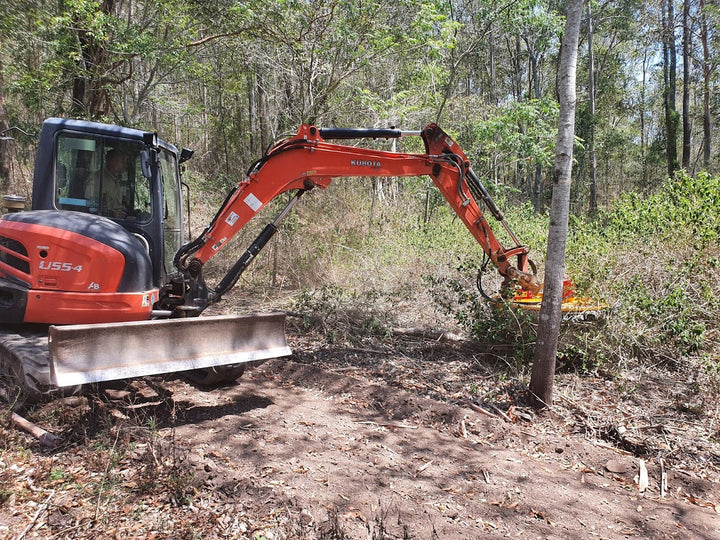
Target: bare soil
402, 437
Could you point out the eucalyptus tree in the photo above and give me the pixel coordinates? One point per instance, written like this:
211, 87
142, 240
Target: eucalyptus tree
537, 27
329, 61
612, 111
670, 84
5, 148
708, 66
543, 370
686, 40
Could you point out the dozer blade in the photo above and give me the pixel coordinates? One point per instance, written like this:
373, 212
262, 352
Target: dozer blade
87, 353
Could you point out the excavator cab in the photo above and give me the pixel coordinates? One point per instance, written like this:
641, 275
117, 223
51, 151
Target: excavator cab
127, 175
100, 176
94, 259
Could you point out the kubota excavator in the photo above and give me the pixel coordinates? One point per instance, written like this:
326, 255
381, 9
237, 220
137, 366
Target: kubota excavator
96, 283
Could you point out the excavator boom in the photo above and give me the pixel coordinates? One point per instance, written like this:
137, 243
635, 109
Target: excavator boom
308, 160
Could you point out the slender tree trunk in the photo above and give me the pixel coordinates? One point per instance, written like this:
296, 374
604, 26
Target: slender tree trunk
543, 370
707, 133
4, 144
518, 72
686, 87
670, 74
252, 115
491, 62
265, 136
537, 182
591, 92
643, 136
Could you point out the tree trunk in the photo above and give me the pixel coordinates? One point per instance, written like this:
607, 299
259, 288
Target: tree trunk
686, 87
643, 112
543, 370
707, 134
591, 92
537, 182
670, 76
491, 63
5, 156
90, 95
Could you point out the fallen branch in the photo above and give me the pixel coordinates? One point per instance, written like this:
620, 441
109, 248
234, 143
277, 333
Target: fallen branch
46, 439
437, 334
478, 408
663, 479
505, 416
611, 447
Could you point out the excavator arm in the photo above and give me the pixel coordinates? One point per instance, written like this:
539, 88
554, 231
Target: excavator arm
308, 160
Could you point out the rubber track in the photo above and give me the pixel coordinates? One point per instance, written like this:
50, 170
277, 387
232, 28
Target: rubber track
25, 360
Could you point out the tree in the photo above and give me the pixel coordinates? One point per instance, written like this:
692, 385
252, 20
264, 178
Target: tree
591, 99
4, 146
543, 370
686, 86
707, 73
670, 88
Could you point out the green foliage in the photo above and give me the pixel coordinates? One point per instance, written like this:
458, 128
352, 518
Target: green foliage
494, 324
656, 259
526, 129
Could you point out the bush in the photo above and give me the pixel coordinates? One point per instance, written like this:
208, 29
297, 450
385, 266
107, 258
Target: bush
656, 259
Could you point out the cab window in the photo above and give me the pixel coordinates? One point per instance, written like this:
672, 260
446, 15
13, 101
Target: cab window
172, 208
101, 176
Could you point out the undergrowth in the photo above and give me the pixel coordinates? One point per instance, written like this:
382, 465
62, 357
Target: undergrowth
653, 260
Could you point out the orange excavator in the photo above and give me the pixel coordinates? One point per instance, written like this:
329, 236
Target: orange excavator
95, 280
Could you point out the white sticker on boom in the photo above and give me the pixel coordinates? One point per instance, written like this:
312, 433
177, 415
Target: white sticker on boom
232, 218
253, 202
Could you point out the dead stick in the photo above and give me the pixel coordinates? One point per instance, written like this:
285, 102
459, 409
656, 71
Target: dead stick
663, 479
45, 438
505, 416
39, 512
478, 408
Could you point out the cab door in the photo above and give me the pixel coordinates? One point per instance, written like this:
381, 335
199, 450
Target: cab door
172, 226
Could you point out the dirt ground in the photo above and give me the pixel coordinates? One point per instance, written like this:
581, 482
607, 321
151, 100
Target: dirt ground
406, 437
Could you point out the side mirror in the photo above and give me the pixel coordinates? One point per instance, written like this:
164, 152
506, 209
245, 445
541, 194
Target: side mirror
185, 154
150, 139
146, 162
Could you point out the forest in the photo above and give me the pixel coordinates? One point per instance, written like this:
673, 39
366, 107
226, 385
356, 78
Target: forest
366, 257
229, 78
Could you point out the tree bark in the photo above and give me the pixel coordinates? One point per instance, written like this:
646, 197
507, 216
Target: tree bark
670, 76
5, 155
591, 92
707, 72
543, 370
643, 113
686, 87
491, 64
537, 182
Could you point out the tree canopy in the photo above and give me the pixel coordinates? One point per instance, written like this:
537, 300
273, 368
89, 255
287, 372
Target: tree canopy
228, 77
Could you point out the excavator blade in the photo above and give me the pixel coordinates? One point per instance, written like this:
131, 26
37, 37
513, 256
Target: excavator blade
87, 353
